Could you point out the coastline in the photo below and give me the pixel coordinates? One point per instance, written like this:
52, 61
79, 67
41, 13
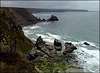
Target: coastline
33, 44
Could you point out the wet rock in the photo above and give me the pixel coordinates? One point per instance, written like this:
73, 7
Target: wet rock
49, 47
53, 18
57, 45
69, 48
86, 43
40, 43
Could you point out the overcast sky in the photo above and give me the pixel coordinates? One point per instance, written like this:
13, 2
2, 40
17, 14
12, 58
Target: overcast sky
89, 5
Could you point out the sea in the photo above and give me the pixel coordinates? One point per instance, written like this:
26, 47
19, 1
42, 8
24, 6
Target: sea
74, 27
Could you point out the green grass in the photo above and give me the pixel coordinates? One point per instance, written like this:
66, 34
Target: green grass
49, 67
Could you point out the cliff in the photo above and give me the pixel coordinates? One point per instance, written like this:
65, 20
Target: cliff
11, 34
23, 16
13, 43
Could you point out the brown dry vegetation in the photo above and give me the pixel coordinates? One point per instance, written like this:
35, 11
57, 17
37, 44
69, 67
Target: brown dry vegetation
13, 62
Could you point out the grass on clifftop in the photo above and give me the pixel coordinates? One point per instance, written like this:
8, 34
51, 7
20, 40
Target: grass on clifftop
51, 67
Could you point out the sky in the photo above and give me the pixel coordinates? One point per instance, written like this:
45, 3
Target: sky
88, 5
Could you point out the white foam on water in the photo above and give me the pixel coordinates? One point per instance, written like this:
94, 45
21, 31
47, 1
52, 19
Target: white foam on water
46, 38
26, 27
49, 40
35, 27
43, 36
45, 23
54, 36
89, 59
26, 31
82, 43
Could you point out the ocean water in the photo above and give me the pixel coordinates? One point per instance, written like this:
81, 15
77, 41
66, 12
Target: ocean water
75, 27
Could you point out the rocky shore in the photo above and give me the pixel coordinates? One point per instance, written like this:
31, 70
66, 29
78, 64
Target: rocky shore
19, 54
42, 49
44, 54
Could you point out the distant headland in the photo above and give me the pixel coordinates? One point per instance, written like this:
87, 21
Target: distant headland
38, 10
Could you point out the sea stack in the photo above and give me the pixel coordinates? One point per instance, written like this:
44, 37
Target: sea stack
53, 18
57, 45
40, 43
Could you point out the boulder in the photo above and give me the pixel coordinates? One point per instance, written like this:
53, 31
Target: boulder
53, 18
69, 48
57, 45
40, 43
86, 43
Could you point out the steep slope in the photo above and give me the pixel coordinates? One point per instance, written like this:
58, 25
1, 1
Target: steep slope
14, 62
11, 34
13, 45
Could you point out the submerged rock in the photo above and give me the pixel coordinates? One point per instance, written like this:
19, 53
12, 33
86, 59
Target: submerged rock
53, 18
86, 43
57, 45
69, 48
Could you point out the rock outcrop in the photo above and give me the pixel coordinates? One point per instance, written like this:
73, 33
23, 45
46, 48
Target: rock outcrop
48, 51
86, 43
69, 48
40, 43
53, 18
57, 45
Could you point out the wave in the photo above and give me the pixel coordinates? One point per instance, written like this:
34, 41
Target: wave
54, 36
34, 27
26, 31
45, 23
46, 38
89, 59
82, 43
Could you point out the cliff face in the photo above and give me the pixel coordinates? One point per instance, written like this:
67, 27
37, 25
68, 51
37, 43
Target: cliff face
11, 34
23, 17
13, 42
